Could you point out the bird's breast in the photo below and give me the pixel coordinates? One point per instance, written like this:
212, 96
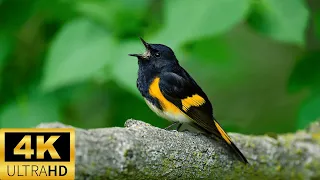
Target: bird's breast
169, 115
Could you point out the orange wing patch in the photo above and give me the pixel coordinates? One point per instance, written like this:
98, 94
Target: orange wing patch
222, 133
194, 100
155, 92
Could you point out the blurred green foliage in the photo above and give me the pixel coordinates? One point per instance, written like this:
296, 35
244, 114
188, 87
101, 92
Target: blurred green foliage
66, 60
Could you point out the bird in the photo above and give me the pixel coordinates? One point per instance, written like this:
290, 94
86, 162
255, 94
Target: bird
171, 92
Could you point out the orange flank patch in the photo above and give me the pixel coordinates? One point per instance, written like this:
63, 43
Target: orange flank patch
155, 92
194, 100
223, 134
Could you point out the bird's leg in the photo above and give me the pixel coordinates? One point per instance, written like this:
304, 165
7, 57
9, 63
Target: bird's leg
173, 124
179, 126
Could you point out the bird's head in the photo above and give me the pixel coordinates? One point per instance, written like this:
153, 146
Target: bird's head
157, 54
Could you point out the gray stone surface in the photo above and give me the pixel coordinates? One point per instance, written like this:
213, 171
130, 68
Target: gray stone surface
141, 151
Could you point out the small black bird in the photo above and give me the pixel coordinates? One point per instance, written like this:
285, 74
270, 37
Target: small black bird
173, 94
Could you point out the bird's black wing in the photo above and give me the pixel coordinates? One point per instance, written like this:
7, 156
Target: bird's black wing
190, 99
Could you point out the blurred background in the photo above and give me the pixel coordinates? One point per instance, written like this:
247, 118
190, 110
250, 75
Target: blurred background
66, 60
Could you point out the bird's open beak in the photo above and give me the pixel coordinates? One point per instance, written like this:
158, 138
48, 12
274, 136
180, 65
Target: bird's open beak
146, 45
145, 54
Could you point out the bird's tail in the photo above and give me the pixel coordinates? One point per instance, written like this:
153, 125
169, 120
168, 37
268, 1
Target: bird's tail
227, 139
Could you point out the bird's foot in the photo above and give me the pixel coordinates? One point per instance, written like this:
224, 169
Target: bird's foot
173, 124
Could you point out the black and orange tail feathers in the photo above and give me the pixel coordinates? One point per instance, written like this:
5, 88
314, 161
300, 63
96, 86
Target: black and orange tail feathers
215, 129
238, 152
224, 136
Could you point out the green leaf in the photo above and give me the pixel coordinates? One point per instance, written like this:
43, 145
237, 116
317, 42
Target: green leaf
284, 20
30, 111
123, 17
310, 111
13, 22
212, 49
306, 73
57, 10
79, 50
188, 20
317, 24
6, 46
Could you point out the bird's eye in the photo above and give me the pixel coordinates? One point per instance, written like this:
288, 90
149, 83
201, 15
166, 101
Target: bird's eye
157, 54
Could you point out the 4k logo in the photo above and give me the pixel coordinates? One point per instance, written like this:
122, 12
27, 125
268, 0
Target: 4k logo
37, 153
42, 147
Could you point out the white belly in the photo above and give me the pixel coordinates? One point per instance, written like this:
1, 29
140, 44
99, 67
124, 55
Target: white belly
181, 117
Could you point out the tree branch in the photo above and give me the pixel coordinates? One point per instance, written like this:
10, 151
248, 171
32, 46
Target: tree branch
141, 151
